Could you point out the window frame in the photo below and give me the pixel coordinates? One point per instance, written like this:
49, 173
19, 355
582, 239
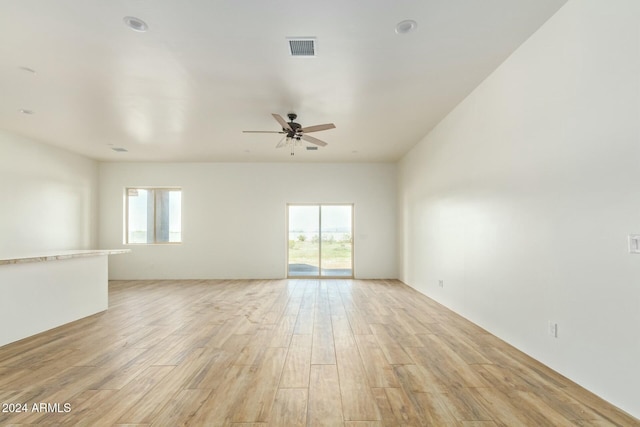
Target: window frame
126, 215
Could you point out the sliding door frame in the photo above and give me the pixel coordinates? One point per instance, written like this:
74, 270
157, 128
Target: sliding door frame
320, 205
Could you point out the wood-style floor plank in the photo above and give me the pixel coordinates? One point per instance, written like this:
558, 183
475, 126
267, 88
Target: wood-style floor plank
353, 353
145, 411
392, 350
290, 407
402, 407
261, 388
379, 372
298, 363
358, 402
324, 407
322, 347
180, 408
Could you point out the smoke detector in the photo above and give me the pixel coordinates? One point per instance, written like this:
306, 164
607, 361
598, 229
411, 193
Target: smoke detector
136, 24
406, 26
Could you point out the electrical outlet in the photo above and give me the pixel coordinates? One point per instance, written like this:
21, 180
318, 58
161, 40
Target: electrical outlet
441, 283
553, 329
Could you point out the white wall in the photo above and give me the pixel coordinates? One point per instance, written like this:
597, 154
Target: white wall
48, 198
522, 198
234, 216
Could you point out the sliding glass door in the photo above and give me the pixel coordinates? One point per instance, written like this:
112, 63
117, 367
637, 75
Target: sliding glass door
320, 241
304, 240
336, 252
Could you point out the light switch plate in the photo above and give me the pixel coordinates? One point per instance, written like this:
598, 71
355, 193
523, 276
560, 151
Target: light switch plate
634, 243
553, 329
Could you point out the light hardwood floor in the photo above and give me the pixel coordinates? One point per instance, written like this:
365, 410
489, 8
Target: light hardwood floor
284, 353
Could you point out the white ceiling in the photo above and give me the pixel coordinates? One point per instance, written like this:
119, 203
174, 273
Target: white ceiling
208, 69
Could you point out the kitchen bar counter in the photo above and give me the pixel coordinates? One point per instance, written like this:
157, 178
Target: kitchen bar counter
41, 291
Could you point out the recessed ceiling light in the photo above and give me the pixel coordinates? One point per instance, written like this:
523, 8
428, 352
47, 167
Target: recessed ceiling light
120, 149
406, 26
136, 24
28, 70
25, 111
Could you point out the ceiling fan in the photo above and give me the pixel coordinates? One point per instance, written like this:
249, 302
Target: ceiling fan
294, 132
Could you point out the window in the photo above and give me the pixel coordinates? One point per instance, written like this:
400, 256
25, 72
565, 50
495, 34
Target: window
153, 215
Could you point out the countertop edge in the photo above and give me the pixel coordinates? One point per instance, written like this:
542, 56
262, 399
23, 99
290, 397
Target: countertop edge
60, 255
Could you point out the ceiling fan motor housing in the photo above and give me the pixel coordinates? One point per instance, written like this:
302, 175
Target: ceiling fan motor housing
295, 127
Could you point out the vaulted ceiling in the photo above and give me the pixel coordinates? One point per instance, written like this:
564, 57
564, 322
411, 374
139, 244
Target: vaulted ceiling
205, 70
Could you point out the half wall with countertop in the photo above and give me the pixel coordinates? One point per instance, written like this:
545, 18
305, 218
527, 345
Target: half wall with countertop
46, 290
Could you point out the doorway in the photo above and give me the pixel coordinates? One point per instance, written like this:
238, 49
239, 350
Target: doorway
320, 240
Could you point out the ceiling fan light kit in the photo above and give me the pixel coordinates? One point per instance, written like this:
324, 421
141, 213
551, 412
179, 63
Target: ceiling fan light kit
294, 132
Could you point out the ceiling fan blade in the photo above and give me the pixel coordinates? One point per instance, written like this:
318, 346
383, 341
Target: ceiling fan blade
262, 131
282, 121
314, 140
317, 128
282, 142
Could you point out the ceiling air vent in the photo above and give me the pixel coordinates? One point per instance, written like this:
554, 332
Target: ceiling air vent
304, 47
